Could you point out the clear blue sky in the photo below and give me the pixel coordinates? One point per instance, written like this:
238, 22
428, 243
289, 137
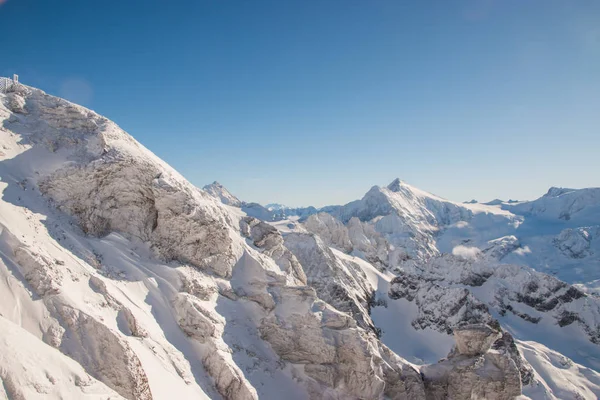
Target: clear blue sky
313, 102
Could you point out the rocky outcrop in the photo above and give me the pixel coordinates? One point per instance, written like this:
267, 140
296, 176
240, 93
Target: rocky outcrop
133, 197
335, 354
472, 340
498, 248
330, 230
341, 284
576, 242
16, 103
44, 276
528, 294
269, 240
441, 308
473, 369
205, 325
30, 369
370, 244
101, 352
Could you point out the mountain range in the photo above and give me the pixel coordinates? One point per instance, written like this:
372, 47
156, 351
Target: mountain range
121, 279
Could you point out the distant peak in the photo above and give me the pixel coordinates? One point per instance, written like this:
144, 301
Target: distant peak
494, 202
557, 191
219, 191
396, 184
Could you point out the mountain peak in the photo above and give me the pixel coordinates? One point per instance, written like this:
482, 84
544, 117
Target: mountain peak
396, 184
557, 191
219, 191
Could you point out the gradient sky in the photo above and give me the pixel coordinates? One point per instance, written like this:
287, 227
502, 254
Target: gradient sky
313, 102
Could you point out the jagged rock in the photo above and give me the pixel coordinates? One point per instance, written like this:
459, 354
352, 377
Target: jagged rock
195, 320
229, 380
330, 230
498, 248
131, 323
343, 285
39, 270
336, 356
576, 243
474, 371
475, 339
370, 244
268, 238
441, 308
16, 103
507, 345
101, 352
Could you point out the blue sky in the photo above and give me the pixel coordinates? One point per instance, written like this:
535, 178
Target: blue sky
313, 102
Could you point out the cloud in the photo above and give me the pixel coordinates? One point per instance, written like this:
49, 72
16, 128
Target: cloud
77, 90
465, 252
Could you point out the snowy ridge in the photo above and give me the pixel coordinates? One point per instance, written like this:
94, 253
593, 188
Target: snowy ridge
578, 205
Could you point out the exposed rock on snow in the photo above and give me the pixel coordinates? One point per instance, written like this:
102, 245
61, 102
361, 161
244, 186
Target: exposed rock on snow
133, 197
498, 248
330, 230
16, 103
335, 354
576, 242
343, 285
268, 238
30, 369
473, 340
441, 308
473, 371
108, 358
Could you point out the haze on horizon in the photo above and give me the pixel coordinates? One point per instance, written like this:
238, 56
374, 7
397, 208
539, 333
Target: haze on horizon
313, 103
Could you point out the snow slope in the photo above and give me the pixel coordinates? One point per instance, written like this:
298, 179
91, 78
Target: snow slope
33, 370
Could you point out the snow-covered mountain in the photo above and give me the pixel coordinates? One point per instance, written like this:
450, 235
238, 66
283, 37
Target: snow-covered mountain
219, 191
449, 260
120, 279
556, 233
458, 263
